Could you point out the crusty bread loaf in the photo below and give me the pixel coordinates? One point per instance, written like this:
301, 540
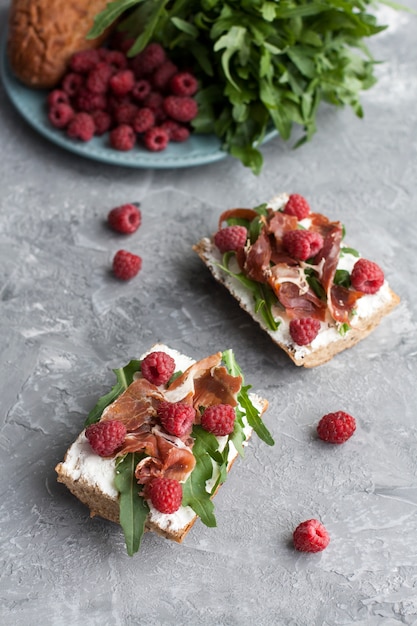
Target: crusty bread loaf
329, 342
90, 477
43, 35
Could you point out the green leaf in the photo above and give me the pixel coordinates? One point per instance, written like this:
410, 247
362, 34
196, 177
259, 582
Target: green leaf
133, 507
342, 277
109, 15
253, 417
351, 251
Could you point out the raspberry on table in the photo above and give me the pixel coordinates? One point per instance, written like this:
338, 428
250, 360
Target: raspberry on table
57, 96
219, 419
81, 127
158, 367
176, 418
125, 219
310, 536
297, 205
304, 330
302, 244
126, 265
230, 238
84, 61
183, 84
60, 115
180, 108
123, 138
156, 139
336, 427
102, 121
106, 437
367, 276
143, 120
122, 82
165, 494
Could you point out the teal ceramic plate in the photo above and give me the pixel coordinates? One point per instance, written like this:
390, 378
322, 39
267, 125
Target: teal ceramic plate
197, 150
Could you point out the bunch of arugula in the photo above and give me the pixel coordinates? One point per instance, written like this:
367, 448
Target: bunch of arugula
133, 507
261, 63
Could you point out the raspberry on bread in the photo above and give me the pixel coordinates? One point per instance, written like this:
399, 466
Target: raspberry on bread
163, 460
312, 294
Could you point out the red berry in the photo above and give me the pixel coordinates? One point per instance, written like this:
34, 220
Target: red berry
336, 427
125, 219
122, 82
98, 78
141, 90
88, 101
84, 61
302, 244
57, 96
71, 83
106, 437
158, 367
81, 127
219, 419
165, 494
367, 276
147, 61
102, 121
60, 115
156, 139
177, 418
124, 113
298, 206
230, 238
143, 120
122, 138
162, 76
180, 108
311, 536
304, 330
115, 58
126, 265
176, 131
183, 84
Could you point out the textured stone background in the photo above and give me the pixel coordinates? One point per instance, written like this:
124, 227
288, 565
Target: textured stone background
64, 323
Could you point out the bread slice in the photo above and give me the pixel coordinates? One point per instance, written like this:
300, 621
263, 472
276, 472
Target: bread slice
90, 478
332, 338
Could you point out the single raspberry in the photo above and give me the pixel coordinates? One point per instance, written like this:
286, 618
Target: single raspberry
176, 131
124, 113
102, 121
141, 89
183, 84
98, 78
143, 120
304, 330
57, 96
155, 101
115, 58
84, 61
162, 76
176, 417
106, 437
72, 83
165, 494
336, 427
60, 115
298, 206
310, 536
156, 139
147, 61
122, 138
86, 100
158, 367
230, 238
122, 82
126, 265
367, 276
219, 419
180, 108
81, 127
125, 219
302, 244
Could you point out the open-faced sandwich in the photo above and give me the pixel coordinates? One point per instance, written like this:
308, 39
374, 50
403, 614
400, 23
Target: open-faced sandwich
291, 271
156, 448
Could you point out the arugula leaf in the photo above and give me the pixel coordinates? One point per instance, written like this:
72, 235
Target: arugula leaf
133, 508
351, 251
124, 377
342, 277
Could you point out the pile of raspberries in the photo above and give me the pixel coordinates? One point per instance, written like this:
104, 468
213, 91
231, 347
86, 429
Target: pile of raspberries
144, 100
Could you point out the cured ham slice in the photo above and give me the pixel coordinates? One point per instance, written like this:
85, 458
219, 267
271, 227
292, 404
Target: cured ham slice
135, 406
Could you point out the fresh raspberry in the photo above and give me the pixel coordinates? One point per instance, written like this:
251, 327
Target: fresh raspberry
106, 437
122, 82
158, 367
156, 139
124, 112
183, 84
230, 238
125, 219
219, 419
162, 76
176, 417
141, 89
122, 138
176, 131
102, 121
367, 276
336, 427
165, 494
60, 115
302, 244
310, 536
115, 58
304, 330
86, 100
155, 101
180, 108
81, 127
143, 120
298, 206
72, 83
84, 61
98, 78
126, 265
57, 96
147, 61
